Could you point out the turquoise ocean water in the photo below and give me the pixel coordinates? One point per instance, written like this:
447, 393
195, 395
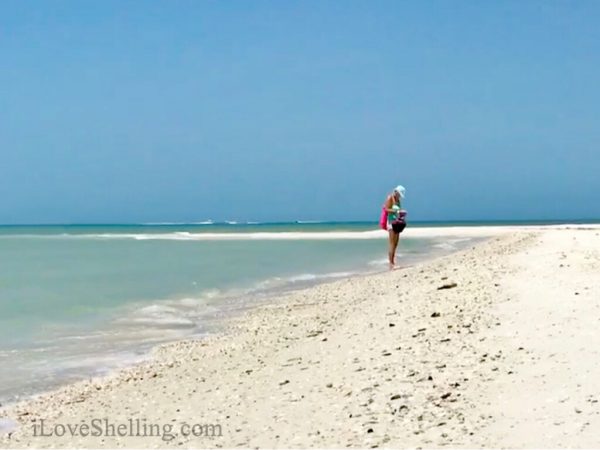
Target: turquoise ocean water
77, 301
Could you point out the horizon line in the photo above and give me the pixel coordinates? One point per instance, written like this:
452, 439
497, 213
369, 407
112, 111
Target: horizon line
578, 221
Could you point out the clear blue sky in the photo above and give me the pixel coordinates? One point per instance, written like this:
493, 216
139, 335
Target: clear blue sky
134, 111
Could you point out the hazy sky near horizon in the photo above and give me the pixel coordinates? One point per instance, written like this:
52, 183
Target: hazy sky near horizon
131, 111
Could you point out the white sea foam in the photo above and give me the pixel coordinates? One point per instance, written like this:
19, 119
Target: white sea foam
313, 277
444, 246
203, 222
164, 314
192, 312
303, 277
378, 262
168, 321
451, 244
187, 236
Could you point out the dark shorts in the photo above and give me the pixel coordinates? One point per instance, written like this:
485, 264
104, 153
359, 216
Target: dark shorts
398, 226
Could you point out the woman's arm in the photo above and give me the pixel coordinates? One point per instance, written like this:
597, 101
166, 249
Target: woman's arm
389, 202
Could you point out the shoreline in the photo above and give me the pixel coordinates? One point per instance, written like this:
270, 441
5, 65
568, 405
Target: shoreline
389, 352
227, 304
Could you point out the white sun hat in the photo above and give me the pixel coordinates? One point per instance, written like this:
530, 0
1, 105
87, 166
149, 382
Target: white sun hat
400, 190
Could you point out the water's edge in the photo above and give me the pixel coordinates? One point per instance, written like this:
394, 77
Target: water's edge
143, 353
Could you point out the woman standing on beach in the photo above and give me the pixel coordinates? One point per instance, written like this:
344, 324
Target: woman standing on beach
392, 209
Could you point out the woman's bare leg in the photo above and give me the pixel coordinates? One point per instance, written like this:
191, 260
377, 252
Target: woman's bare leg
395, 246
391, 249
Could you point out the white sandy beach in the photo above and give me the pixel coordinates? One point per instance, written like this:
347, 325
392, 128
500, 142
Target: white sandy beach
506, 356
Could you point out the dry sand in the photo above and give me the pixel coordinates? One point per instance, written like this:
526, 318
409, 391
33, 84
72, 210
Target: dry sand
506, 356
